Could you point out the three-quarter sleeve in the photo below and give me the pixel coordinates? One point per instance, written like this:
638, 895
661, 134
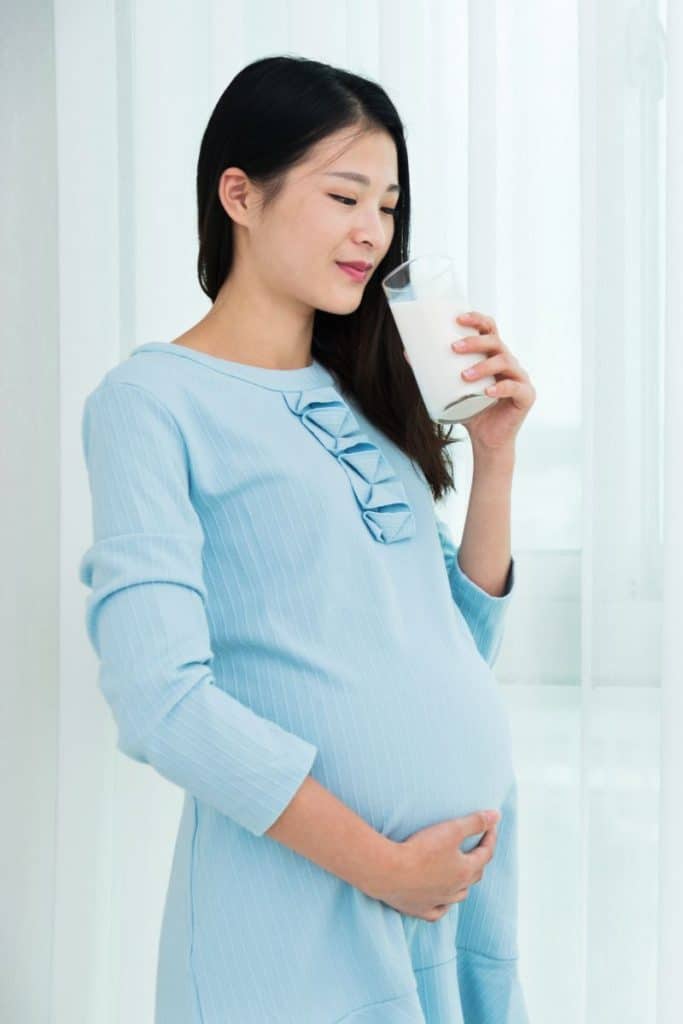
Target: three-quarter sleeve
483, 612
146, 619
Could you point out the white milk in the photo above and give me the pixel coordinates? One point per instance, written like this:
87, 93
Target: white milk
428, 327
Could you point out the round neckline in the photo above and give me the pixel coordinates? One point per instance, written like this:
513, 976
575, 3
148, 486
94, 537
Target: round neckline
281, 380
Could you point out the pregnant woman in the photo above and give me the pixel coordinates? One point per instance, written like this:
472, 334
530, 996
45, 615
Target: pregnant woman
284, 626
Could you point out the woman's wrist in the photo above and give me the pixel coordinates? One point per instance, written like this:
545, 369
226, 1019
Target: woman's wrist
385, 868
319, 826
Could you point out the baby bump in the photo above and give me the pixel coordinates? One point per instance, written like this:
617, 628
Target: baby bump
405, 741
415, 747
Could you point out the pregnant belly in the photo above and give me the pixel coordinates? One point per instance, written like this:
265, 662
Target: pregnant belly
419, 748
405, 744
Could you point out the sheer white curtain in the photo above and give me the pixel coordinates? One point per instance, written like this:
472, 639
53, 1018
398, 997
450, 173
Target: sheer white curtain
546, 157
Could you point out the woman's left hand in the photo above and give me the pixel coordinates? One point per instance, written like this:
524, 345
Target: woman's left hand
496, 426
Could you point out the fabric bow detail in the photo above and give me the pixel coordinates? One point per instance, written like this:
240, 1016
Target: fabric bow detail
379, 492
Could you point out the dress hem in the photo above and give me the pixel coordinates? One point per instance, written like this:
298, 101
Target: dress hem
411, 995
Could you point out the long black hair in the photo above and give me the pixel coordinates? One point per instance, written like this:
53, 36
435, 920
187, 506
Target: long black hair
265, 122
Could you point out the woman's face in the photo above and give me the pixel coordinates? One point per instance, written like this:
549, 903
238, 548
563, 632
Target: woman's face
321, 217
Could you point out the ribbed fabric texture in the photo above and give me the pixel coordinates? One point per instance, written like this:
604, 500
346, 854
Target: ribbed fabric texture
273, 595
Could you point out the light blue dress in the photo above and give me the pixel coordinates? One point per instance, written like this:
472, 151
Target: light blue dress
273, 595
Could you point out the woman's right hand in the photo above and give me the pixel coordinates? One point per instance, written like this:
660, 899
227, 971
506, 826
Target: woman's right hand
431, 872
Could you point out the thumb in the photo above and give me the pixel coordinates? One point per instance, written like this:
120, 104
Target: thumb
480, 821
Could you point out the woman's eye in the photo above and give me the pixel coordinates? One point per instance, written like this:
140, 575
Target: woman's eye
393, 212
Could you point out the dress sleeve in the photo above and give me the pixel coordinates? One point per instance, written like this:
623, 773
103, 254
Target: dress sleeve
483, 612
146, 619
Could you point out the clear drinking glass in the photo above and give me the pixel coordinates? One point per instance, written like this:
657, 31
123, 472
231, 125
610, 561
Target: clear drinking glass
425, 295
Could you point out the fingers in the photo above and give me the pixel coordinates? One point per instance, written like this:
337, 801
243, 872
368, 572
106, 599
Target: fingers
459, 895
483, 851
480, 821
437, 912
481, 322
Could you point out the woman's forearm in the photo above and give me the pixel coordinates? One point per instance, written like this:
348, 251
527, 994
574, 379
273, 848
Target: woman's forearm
484, 553
322, 828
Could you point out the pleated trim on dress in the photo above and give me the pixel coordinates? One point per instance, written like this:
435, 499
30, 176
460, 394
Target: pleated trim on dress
379, 492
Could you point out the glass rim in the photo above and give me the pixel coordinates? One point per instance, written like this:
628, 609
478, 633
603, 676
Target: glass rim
449, 260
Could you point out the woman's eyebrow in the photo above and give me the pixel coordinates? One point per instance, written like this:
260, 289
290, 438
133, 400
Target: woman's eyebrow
355, 176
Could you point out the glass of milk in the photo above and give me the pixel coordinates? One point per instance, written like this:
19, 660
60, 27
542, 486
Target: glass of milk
425, 296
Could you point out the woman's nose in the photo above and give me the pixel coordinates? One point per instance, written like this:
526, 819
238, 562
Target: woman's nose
371, 230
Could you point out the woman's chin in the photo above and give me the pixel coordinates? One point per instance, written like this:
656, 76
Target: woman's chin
341, 306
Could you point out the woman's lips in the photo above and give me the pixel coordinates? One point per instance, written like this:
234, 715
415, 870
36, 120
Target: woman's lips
355, 275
